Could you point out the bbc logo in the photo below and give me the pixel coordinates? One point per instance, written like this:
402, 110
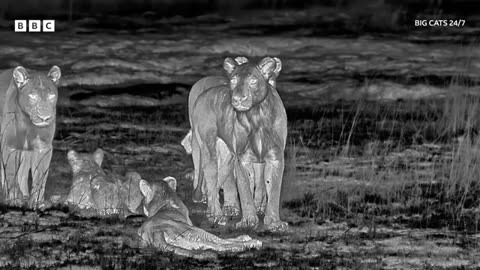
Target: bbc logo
34, 25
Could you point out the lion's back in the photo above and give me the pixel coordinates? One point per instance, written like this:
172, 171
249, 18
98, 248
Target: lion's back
5, 80
210, 104
201, 86
214, 99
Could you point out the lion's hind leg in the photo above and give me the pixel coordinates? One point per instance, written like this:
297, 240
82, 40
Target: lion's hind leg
205, 240
160, 239
199, 192
208, 161
231, 205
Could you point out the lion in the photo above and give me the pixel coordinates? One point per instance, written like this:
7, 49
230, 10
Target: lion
106, 194
249, 117
231, 205
169, 227
28, 101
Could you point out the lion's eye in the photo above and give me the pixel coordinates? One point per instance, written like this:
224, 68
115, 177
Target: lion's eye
234, 81
253, 81
51, 96
33, 96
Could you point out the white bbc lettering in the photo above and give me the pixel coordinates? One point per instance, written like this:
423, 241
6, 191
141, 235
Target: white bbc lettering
20, 25
48, 25
34, 25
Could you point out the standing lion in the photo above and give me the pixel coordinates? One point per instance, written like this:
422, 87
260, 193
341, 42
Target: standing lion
245, 113
28, 101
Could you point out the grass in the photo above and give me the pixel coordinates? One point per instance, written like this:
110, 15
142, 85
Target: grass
381, 146
412, 158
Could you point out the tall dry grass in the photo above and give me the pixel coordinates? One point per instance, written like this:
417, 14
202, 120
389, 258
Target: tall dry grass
395, 182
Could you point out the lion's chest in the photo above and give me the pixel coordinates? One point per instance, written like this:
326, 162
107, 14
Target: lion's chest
242, 137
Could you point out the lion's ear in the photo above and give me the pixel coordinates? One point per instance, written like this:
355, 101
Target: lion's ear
20, 76
278, 67
146, 190
241, 60
72, 155
172, 182
267, 67
54, 74
273, 80
72, 158
229, 65
98, 156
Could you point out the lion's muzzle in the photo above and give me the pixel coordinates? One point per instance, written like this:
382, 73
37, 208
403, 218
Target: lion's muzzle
43, 116
242, 103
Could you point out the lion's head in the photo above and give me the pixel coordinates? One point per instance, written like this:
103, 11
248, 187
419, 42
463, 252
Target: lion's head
92, 188
37, 94
249, 82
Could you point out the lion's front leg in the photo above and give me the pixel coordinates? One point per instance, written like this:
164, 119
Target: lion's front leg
23, 173
260, 196
273, 182
245, 183
11, 162
40, 163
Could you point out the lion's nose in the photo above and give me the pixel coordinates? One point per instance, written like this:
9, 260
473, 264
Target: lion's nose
45, 117
238, 100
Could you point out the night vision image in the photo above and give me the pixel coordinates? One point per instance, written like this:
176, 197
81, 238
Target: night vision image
248, 134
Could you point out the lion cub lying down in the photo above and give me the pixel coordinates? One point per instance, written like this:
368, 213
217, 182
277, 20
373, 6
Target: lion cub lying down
105, 193
169, 227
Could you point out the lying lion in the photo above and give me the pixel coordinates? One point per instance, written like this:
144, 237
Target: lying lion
93, 189
169, 227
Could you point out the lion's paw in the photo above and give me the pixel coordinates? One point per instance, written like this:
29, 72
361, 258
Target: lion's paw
45, 205
248, 222
242, 238
254, 244
218, 219
17, 202
189, 176
231, 210
260, 207
277, 226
